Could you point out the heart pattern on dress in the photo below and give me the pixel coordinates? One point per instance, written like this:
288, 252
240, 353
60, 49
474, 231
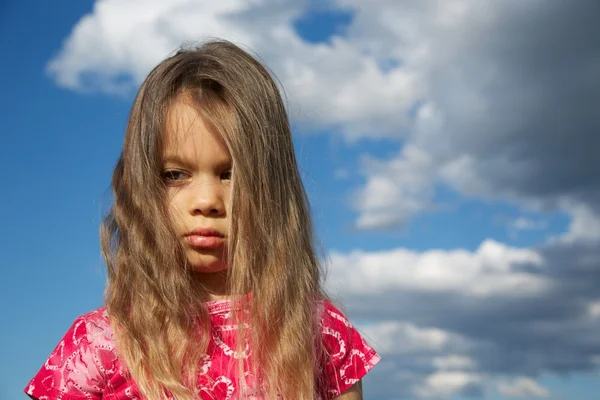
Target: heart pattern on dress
356, 365
85, 363
221, 386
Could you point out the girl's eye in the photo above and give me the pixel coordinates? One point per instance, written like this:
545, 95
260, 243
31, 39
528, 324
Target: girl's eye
173, 175
226, 176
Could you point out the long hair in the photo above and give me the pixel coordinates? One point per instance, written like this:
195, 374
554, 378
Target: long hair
157, 310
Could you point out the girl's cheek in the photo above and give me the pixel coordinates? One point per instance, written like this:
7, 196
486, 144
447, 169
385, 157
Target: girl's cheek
175, 196
175, 203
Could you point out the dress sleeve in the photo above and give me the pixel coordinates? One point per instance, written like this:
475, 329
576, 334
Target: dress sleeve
348, 356
71, 372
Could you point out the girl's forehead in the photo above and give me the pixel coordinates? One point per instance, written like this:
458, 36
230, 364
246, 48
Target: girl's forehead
187, 133
183, 122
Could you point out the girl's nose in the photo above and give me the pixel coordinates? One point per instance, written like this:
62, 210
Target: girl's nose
207, 199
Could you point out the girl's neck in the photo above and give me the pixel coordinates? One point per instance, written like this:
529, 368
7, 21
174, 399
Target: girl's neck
215, 283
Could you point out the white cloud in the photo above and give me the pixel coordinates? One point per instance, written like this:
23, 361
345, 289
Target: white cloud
394, 190
491, 270
594, 309
522, 387
448, 321
395, 337
444, 384
115, 46
584, 226
453, 362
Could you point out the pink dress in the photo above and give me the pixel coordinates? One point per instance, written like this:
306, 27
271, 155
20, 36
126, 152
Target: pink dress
85, 364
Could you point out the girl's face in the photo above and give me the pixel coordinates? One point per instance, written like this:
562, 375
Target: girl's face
197, 172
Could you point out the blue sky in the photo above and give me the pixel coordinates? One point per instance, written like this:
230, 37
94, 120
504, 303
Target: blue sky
438, 154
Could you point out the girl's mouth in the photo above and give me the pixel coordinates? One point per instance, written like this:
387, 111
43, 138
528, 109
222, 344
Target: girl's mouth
205, 238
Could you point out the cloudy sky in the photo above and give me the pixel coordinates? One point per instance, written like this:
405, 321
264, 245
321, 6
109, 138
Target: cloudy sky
450, 149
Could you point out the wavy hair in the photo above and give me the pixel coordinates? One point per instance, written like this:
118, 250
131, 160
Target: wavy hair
157, 309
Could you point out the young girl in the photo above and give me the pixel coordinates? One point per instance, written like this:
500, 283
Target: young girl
213, 284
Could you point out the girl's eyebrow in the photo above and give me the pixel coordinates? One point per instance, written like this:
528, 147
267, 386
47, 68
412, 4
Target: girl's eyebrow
176, 159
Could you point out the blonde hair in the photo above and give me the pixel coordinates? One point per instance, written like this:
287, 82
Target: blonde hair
158, 311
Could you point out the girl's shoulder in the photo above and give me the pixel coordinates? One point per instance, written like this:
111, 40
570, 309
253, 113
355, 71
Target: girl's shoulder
92, 331
332, 317
83, 362
329, 311
348, 356
97, 322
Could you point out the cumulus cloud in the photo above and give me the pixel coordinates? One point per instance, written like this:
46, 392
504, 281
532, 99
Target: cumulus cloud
444, 384
395, 190
492, 269
450, 320
394, 337
333, 85
584, 226
452, 362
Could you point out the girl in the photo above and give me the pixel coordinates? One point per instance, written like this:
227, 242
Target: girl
213, 284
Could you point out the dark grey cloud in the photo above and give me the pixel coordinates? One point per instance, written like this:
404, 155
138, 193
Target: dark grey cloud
535, 75
509, 106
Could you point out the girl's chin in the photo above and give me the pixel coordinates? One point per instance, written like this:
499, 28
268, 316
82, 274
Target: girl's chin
206, 263
206, 268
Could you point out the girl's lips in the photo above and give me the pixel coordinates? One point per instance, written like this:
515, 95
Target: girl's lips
205, 242
205, 232
205, 238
